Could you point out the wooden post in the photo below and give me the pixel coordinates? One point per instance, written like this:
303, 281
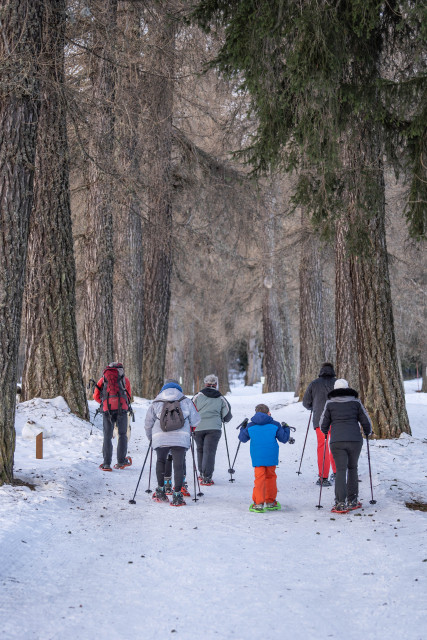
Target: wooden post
39, 446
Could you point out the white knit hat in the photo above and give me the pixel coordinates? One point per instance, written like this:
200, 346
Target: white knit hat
211, 379
341, 384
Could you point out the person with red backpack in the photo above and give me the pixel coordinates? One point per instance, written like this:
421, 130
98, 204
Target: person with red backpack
169, 422
113, 393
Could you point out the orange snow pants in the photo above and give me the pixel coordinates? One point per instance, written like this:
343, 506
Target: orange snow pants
329, 460
265, 488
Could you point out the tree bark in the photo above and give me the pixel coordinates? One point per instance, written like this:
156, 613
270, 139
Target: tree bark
253, 373
19, 101
52, 365
345, 330
381, 386
312, 339
99, 253
158, 235
128, 265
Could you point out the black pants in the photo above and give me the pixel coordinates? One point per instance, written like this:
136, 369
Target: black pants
110, 418
178, 457
207, 444
346, 456
168, 466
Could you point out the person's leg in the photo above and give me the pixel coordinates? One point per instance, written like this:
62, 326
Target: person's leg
107, 447
320, 450
178, 455
162, 454
353, 449
270, 484
199, 438
258, 494
340, 456
209, 452
331, 457
122, 444
168, 466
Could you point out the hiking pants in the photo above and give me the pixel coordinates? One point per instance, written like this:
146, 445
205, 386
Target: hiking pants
110, 418
207, 443
265, 488
329, 460
178, 457
346, 456
168, 466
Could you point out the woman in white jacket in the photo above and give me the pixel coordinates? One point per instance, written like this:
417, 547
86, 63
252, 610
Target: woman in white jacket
175, 441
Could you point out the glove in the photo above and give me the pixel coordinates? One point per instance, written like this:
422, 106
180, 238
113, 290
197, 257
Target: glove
367, 434
291, 440
193, 429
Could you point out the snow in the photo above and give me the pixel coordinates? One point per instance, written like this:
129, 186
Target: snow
79, 562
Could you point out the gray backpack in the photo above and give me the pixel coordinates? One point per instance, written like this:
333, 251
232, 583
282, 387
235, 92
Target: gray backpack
171, 417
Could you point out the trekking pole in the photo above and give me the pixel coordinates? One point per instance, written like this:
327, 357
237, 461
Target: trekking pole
372, 501
149, 476
303, 449
230, 469
319, 506
200, 494
242, 424
140, 475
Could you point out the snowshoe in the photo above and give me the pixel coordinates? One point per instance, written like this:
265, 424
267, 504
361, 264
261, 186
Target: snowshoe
184, 490
273, 506
340, 507
177, 500
168, 486
207, 482
123, 465
257, 508
105, 467
160, 495
332, 477
354, 504
325, 482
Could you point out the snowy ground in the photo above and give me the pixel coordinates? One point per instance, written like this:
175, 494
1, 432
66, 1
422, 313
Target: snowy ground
78, 562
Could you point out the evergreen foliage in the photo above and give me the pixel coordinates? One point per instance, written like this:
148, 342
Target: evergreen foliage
313, 70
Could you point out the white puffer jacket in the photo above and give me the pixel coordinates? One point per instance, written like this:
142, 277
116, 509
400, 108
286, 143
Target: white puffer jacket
178, 438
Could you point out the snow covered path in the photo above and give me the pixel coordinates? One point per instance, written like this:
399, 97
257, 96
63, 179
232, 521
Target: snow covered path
79, 562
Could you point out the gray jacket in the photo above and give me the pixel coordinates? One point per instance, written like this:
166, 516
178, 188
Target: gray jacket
178, 438
213, 408
317, 393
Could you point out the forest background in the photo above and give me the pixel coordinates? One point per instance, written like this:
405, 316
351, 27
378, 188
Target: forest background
265, 218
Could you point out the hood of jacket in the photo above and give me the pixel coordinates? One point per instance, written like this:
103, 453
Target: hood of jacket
262, 418
210, 392
343, 393
169, 395
327, 372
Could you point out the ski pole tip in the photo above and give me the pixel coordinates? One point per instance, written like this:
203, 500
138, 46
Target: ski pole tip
132, 502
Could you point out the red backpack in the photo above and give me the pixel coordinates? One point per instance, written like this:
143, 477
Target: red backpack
114, 395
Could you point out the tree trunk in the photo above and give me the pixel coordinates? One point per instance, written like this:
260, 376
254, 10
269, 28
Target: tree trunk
99, 253
381, 386
312, 341
52, 366
158, 235
345, 329
253, 373
19, 96
128, 266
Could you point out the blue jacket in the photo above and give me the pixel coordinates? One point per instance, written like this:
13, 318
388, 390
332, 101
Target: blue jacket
263, 432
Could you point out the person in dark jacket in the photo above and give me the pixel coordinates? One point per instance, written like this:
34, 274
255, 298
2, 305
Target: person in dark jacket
344, 413
263, 432
314, 399
214, 409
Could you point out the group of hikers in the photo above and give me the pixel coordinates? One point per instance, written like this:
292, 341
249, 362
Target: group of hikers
174, 421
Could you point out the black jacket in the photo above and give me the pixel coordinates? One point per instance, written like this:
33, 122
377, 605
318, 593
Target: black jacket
317, 393
343, 412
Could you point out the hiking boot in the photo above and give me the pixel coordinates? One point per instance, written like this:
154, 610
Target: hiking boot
123, 465
273, 506
160, 495
178, 499
339, 507
325, 482
105, 467
354, 504
168, 486
257, 508
332, 477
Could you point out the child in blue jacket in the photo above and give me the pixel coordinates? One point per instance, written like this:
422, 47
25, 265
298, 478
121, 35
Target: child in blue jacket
263, 432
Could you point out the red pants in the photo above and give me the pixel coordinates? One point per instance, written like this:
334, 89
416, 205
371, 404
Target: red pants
265, 488
328, 455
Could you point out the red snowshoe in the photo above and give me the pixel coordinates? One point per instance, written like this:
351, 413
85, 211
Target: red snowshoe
126, 463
